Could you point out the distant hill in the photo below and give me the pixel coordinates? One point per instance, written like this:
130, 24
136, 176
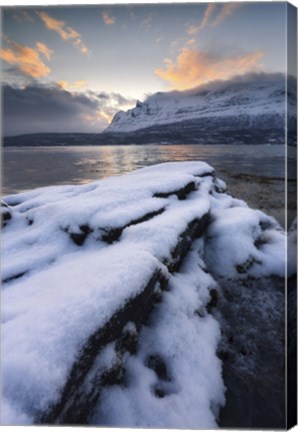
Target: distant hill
51, 139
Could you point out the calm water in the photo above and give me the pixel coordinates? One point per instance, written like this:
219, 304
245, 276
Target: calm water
26, 168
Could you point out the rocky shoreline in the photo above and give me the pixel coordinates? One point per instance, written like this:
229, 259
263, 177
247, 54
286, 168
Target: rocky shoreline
153, 292
263, 193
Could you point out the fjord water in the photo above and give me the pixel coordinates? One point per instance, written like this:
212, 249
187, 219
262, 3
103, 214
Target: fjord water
252, 173
25, 168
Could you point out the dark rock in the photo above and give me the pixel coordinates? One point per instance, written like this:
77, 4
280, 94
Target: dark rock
110, 235
113, 375
76, 402
252, 351
160, 392
223, 355
128, 341
244, 267
80, 237
180, 193
6, 214
158, 365
16, 276
260, 241
194, 230
213, 300
74, 394
201, 312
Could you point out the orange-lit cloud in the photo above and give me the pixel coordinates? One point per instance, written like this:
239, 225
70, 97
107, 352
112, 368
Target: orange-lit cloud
193, 67
63, 84
66, 33
80, 84
58, 26
76, 85
43, 49
98, 116
210, 9
227, 10
193, 29
191, 42
26, 59
105, 116
108, 19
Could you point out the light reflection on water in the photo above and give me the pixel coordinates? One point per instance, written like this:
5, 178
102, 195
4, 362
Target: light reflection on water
26, 168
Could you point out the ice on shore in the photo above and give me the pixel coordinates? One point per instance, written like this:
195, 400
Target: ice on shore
73, 255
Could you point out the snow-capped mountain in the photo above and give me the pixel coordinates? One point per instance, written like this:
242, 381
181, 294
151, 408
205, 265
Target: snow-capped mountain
249, 108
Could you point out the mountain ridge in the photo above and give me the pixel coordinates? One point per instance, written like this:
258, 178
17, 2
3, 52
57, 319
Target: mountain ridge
251, 108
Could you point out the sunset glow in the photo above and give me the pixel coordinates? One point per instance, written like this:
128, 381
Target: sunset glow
97, 60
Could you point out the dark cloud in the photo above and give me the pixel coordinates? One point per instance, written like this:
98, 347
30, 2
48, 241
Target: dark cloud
103, 95
113, 98
121, 100
36, 108
13, 76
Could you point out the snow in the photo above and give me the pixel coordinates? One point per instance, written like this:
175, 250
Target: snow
58, 293
187, 344
47, 318
232, 242
250, 96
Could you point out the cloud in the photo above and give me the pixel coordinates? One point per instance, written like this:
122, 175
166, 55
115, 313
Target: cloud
79, 84
191, 42
43, 49
22, 16
146, 24
210, 9
37, 108
26, 59
227, 10
76, 85
111, 103
193, 67
65, 32
108, 18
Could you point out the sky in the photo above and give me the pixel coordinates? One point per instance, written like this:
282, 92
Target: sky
71, 68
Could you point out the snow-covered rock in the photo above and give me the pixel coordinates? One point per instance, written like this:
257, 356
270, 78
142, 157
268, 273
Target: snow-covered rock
248, 109
108, 292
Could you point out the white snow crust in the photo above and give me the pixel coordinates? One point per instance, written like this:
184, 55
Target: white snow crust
57, 293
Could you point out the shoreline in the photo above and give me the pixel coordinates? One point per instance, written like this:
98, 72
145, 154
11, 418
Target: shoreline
258, 191
263, 193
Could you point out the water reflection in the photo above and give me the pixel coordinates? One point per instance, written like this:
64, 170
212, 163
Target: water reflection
28, 168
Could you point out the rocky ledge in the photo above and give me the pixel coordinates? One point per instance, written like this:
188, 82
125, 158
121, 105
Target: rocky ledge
122, 298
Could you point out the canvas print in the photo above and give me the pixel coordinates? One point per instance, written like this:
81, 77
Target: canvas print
148, 210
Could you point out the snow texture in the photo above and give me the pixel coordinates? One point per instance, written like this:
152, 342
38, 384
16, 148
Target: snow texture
73, 255
250, 96
175, 381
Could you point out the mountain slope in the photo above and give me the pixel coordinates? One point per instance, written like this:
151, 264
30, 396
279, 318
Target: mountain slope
249, 109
